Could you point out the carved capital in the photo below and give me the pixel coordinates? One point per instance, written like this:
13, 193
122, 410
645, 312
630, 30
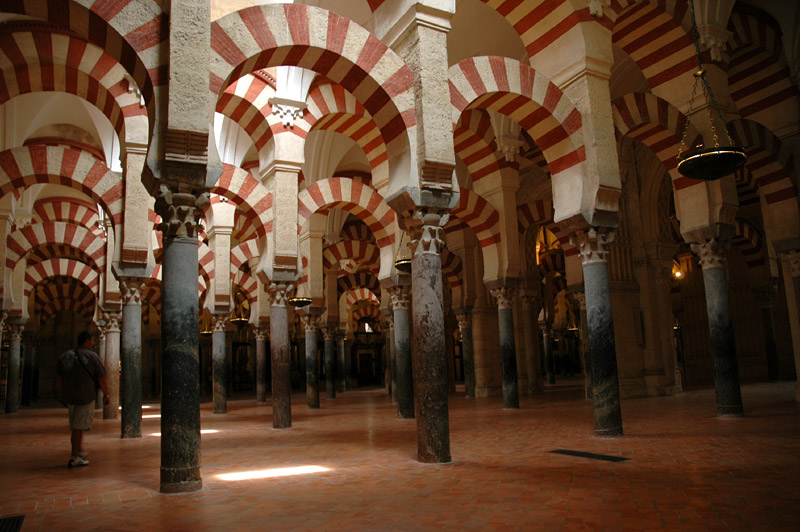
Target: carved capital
400, 297
580, 298
711, 252
766, 294
592, 243
259, 333
279, 293
328, 332
427, 231
15, 331
112, 320
311, 321
218, 322
131, 288
596, 7
792, 258
504, 296
287, 110
3, 316
180, 211
464, 321
715, 38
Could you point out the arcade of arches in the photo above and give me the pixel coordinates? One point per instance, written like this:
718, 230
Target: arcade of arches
176, 176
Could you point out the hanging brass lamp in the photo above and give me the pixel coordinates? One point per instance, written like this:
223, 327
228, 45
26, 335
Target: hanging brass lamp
708, 164
402, 261
300, 298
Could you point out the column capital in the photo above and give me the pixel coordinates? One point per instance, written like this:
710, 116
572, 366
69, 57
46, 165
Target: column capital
15, 330
112, 319
766, 294
531, 301
259, 332
400, 297
580, 298
311, 321
131, 288
464, 321
504, 294
219, 321
3, 316
279, 293
328, 332
427, 231
180, 211
711, 252
792, 258
592, 243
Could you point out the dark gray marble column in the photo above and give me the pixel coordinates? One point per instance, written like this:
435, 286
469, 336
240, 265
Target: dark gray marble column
765, 296
28, 365
180, 339
341, 365
311, 323
219, 365
533, 351
508, 350
547, 343
15, 328
280, 355
711, 254
464, 317
392, 359
260, 334
329, 335
112, 319
430, 357
790, 271
402, 353
101, 352
593, 246
130, 356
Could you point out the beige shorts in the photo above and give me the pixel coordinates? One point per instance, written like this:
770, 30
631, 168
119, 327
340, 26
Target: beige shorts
81, 416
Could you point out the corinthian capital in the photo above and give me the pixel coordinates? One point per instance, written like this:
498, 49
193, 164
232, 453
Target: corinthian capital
279, 293
504, 295
428, 231
180, 211
592, 243
711, 252
399, 296
131, 288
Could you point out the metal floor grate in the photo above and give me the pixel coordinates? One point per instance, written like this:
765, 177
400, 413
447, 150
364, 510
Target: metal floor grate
593, 456
11, 524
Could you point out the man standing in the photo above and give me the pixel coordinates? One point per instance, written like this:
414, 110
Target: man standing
79, 373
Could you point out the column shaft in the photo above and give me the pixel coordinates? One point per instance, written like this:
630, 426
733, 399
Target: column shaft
281, 362
341, 366
261, 363
402, 353
220, 368
180, 395
101, 352
312, 366
111, 410
467, 351
131, 359
14, 369
330, 362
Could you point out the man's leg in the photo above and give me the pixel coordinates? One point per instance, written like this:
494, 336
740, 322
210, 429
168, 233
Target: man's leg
77, 441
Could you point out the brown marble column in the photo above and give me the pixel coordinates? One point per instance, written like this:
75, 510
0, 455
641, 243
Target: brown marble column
402, 352
311, 324
464, 317
430, 359
112, 319
260, 334
504, 294
533, 351
280, 354
329, 337
13, 381
219, 363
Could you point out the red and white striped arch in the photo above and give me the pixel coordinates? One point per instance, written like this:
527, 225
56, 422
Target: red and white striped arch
367, 311
451, 268
361, 279
478, 214
332, 108
654, 36
769, 161
361, 252
521, 93
473, 140
354, 295
758, 73
241, 255
313, 38
42, 61
131, 30
658, 125
23, 240
357, 231
65, 209
535, 212
748, 240
248, 285
352, 196
248, 194
36, 273
79, 169
66, 295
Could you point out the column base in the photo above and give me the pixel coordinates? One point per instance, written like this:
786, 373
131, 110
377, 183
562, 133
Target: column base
220, 411
171, 483
729, 412
615, 432
130, 434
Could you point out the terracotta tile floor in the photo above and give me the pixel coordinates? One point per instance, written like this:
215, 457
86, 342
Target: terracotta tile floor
686, 471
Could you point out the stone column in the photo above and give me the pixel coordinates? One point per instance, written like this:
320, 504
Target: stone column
311, 323
402, 353
711, 254
15, 328
547, 341
430, 358
504, 295
392, 360
220, 368
28, 366
101, 352
341, 363
281, 355
583, 345
790, 270
131, 356
533, 350
260, 334
593, 246
112, 319
329, 335
180, 339
464, 317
